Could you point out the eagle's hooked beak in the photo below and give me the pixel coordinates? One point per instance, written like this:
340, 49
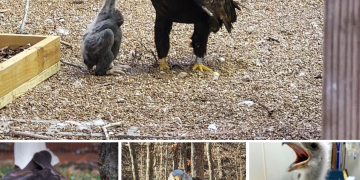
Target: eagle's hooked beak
177, 178
302, 156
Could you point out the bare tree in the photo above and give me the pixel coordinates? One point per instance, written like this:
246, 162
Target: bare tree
197, 160
239, 150
134, 163
182, 155
141, 161
176, 156
166, 155
210, 161
161, 161
187, 157
149, 161
221, 174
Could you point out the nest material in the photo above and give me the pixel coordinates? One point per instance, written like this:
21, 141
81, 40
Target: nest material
271, 58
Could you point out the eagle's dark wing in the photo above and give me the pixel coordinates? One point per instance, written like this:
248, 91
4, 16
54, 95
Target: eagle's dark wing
223, 10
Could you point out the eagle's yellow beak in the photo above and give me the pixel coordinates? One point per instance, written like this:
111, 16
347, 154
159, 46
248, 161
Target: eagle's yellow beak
177, 178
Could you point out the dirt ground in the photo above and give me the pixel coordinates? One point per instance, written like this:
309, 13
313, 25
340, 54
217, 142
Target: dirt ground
269, 87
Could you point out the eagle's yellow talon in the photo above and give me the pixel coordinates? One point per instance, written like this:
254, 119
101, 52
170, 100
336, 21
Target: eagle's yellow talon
201, 67
164, 65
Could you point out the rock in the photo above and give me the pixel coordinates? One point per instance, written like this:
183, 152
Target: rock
183, 74
246, 103
246, 78
120, 100
150, 100
216, 76
221, 59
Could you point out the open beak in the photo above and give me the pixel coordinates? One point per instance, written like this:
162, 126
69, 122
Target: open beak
302, 156
177, 178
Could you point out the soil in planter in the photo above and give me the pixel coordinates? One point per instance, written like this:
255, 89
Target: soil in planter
6, 53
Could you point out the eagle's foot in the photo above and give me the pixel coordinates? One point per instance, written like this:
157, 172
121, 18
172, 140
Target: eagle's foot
164, 65
201, 67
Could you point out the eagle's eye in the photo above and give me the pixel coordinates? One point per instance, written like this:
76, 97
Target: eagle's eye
314, 146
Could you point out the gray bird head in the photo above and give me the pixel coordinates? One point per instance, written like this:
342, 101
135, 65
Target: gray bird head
118, 17
178, 174
311, 158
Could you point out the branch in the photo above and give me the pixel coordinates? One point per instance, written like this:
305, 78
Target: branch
107, 126
66, 43
71, 64
152, 52
21, 30
29, 134
4, 10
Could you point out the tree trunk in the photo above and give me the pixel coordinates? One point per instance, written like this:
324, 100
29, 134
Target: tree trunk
197, 160
239, 150
149, 161
108, 161
134, 163
221, 174
188, 157
161, 162
165, 158
182, 155
176, 157
141, 161
210, 161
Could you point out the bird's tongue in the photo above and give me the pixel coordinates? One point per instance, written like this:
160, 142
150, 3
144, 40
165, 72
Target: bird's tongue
301, 154
301, 158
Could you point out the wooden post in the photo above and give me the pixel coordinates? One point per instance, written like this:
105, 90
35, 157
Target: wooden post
341, 85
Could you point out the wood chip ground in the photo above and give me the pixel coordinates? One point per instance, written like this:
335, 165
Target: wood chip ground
273, 58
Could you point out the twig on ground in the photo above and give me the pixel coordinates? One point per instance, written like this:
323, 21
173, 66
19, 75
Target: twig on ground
29, 134
71, 64
4, 10
152, 52
67, 44
21, 29
107, 126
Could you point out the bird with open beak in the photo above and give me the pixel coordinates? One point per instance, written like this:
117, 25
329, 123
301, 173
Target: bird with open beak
312, 159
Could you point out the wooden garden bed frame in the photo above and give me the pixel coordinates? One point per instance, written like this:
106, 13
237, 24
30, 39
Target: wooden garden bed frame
28, 68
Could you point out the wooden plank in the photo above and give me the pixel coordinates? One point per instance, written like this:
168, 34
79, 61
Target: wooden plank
29, 84
27, 64
16, 40
341, 85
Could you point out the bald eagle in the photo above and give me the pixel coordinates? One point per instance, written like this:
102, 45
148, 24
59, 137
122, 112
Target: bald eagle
206, 15
312, 159
180, 175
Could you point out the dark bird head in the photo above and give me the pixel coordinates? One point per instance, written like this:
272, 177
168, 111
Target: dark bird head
118, 17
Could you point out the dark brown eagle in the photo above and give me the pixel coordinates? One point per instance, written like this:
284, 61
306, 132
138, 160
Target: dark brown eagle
39, 168
206, 15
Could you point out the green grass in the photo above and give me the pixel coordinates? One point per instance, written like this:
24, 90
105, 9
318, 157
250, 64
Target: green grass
82, 175
5, 168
